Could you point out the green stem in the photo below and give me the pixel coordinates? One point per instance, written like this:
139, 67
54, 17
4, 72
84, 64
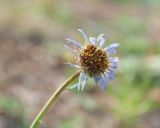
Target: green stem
53, 99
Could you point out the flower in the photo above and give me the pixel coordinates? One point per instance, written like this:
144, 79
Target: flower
93, 60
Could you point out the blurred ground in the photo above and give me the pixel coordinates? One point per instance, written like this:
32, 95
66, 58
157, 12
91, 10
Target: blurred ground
32, 60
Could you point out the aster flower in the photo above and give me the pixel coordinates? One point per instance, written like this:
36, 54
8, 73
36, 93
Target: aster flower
93, 59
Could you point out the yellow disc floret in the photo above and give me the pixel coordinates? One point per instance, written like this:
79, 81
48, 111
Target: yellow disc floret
93, 60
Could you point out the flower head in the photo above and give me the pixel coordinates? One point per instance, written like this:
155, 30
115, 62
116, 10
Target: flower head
93, 59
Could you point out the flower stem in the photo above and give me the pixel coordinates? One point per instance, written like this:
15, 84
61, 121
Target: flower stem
53, 99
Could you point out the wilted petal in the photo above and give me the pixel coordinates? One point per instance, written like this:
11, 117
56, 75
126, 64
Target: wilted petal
75, 43
72, 49
73, 65
84, 35
93, 40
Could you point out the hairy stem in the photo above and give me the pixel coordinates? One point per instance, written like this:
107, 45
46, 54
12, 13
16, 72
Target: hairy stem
53, 98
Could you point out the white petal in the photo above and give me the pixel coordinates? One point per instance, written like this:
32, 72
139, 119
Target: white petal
113, 67
93, 40
111, 51
97, 78
84, 35
82, 80
101, 39
73, 65
113, 64
103, 82
113, 60
114, 45
110, 75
